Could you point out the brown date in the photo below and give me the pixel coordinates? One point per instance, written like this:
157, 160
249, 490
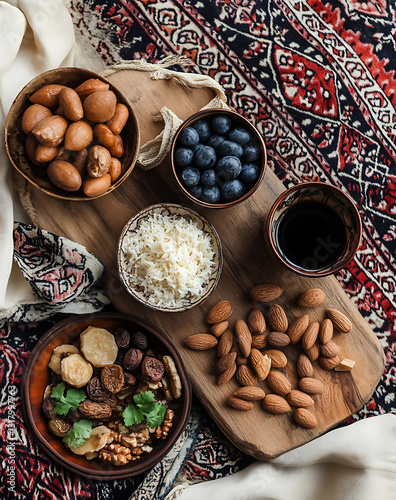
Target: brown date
139, 340
122, 338
132, 359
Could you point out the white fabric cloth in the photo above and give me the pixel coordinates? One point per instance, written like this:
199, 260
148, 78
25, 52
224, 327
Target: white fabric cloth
35, 36
357, 462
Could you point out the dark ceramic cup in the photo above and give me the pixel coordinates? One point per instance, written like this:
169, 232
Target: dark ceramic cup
314, 229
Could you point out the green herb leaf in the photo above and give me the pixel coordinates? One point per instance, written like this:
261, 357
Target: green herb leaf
156, 416
145, 407
67, 402
79, 433
132, 415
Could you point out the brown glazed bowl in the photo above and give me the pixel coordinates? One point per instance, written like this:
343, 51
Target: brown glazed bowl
237, 121
15, 137
36, 377
332, 198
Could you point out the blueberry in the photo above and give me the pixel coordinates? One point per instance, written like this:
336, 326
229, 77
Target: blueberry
211, 194
203, 129
249, 174
196, 191
221, 124
239, 135
215, 140
230, 148
190, 176
205, 156
228, 167
183, 156
251, 152
188, 137
232, 190
208, 178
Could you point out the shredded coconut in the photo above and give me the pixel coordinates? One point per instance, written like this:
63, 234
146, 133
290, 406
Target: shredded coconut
169, 258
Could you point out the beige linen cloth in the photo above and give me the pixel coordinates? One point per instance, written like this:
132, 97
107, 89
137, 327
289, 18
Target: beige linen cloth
357, 462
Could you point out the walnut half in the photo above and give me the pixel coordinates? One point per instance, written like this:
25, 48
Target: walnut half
116, 454
163, 430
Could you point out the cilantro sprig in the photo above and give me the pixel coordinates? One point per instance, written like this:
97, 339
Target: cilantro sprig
79, 433
145, 407
67, 402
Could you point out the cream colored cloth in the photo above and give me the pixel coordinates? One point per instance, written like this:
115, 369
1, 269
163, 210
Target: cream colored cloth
357, 462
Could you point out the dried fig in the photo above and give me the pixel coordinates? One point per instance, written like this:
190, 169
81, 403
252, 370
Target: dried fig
122, 337
152, 369
139, 340
132, 359
112, 378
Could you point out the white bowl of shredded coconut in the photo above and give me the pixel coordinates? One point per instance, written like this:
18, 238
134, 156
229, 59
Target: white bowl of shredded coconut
169, 257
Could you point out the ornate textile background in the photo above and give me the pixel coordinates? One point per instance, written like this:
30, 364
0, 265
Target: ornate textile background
318, 80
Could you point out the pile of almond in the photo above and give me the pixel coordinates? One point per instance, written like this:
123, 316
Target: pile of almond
252, 353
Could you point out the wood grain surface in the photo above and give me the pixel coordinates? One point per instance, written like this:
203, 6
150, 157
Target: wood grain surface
247, 261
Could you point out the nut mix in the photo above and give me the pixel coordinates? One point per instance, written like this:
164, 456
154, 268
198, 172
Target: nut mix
88, 121
98, 407
252, 354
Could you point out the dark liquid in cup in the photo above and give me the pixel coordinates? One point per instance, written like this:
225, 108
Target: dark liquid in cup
311, 236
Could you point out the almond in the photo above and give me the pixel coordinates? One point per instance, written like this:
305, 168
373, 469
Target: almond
200, 342
345, 365
225, 343
225, 362
240, 404
245, 375
259, 341
244, 337
265, 293
313, 352
277, 318
297, 328
278, 339
311, 385
329, 363
304, 366
250, 393
256, 322
275, 404
310, 335
330, 349
299, 398
326, 331
220, 312
304, 418
278, 358
341, 323
311, 298
261, 364
227, 375
278, 383
219, 328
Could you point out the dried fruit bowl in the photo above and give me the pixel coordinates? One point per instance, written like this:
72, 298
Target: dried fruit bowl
15, 137
36, 377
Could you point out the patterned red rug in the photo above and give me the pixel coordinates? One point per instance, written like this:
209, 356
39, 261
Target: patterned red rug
318, 80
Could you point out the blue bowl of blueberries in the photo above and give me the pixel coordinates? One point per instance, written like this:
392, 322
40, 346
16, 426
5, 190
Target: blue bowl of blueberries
218, 158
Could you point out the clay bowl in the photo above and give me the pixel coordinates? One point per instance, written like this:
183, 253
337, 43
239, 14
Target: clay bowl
15, 137
180, 211
333, 201
36, 377
237, 121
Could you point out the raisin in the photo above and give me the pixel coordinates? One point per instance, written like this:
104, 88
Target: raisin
48, 408
91, 409
59, 427
112, 378
152, 369
129, 379
122, 338
95, 390
139, 340
132, 359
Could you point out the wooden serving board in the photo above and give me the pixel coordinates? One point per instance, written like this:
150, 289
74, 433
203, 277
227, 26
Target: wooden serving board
247, 262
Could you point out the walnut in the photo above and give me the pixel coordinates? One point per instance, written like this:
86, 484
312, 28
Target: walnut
162, 430
127, 438
92, 409
174, 379
116, 454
